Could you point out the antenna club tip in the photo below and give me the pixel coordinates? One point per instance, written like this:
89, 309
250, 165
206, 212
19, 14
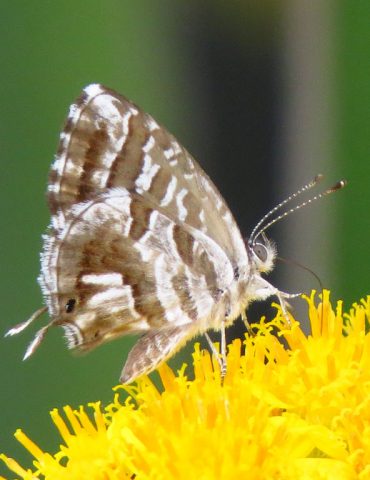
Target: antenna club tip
318, 178
341, 184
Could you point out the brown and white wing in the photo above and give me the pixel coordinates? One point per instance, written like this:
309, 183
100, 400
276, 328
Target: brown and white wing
122, 266
140, 239
109, 142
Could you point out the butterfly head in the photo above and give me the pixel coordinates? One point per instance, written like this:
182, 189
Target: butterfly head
262, 253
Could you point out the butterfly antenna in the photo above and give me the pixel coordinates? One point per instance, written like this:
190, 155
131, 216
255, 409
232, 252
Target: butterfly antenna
257, 232
300, 265
291, 197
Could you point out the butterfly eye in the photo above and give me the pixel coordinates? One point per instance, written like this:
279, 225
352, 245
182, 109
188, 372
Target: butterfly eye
261, 251
70, 305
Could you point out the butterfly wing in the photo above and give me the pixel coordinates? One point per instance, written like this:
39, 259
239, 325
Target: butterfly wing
109, 142
140, 238
118, 269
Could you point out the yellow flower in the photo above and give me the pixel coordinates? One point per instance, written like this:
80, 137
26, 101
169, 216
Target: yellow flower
281, 413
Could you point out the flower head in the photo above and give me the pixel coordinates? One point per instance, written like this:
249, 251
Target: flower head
298, 412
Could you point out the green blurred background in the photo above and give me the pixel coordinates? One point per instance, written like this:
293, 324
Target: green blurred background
264, 94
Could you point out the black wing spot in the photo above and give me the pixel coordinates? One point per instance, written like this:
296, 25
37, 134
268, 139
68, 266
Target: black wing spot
70, 305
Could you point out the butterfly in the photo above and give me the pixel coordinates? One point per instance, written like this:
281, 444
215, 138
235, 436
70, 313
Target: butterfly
140, 239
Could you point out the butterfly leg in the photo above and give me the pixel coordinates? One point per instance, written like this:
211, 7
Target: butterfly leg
212, 347
284, 307
223, 353
221, 358
282, 296
247, 324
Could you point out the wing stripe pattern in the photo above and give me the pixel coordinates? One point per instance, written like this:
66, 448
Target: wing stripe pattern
129, 161
100, 113
137, 240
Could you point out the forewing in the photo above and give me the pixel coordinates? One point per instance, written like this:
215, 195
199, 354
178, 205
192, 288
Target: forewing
109, 142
